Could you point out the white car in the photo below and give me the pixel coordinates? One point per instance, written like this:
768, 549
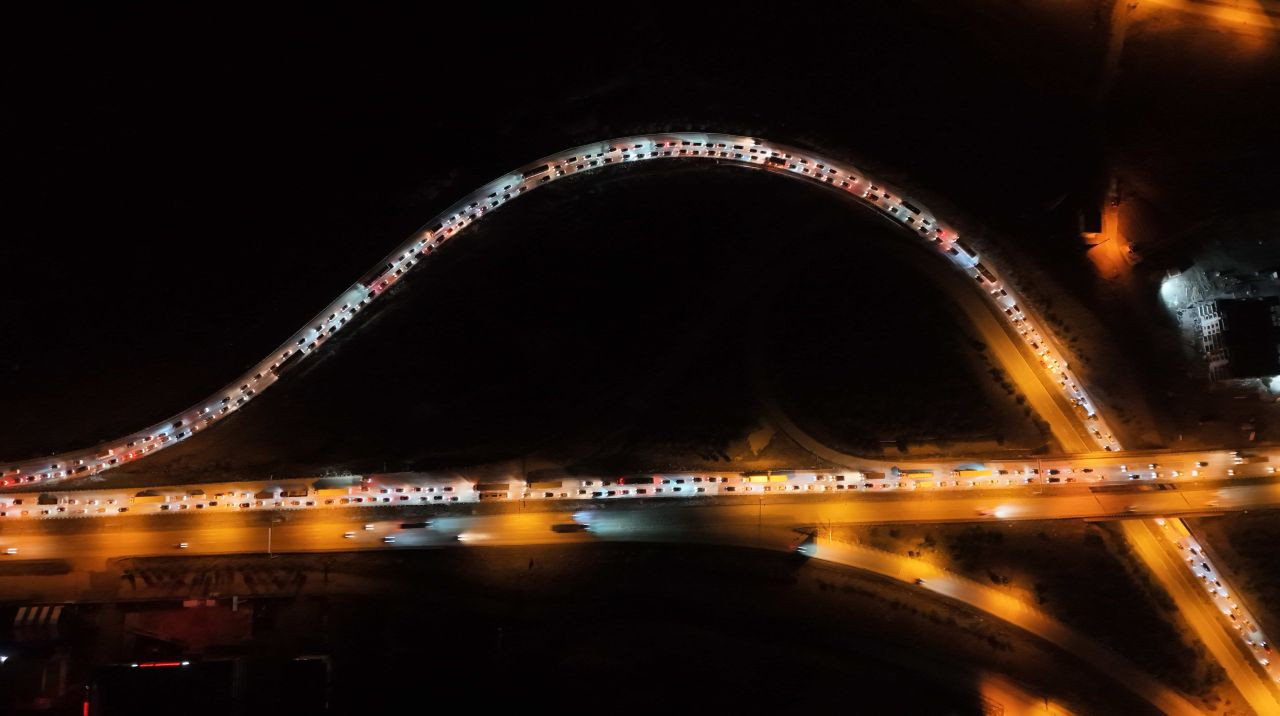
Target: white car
11, 550
348, 535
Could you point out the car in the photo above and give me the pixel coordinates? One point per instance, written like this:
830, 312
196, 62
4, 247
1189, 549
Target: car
348, 535
919, 580
182, 545
1202, 463
10, 550
244, 505
122, 509
368, 527
1054, 471
388, 539
569, 527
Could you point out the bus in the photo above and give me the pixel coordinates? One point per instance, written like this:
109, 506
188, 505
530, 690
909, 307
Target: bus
493, 490
767, 477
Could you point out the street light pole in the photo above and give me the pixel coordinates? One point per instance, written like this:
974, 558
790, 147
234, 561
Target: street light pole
274, 521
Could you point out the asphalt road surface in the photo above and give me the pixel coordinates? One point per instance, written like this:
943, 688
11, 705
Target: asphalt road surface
89, 545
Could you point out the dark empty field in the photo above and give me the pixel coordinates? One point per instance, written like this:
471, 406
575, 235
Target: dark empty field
1080, 572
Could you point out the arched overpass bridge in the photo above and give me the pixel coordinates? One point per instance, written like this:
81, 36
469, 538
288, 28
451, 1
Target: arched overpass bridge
912, 216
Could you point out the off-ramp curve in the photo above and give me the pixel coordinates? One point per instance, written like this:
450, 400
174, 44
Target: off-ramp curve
912, 216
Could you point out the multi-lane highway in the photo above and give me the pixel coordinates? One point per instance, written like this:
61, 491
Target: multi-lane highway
803, 498
1168, 549
1156, 471
90, 545
753, 152
1038, 365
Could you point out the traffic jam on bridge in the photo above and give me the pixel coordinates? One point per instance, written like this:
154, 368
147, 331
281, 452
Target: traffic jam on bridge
727, 148
1107, 465
414, 488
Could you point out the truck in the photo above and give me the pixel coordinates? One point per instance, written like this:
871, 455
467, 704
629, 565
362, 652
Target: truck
343, 481
914, 473
1247, 459
293, 491
333, 491
287, 363
147, 497
1082, 410
47, 499
966, 249
984, 273
971, 472
371, 279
